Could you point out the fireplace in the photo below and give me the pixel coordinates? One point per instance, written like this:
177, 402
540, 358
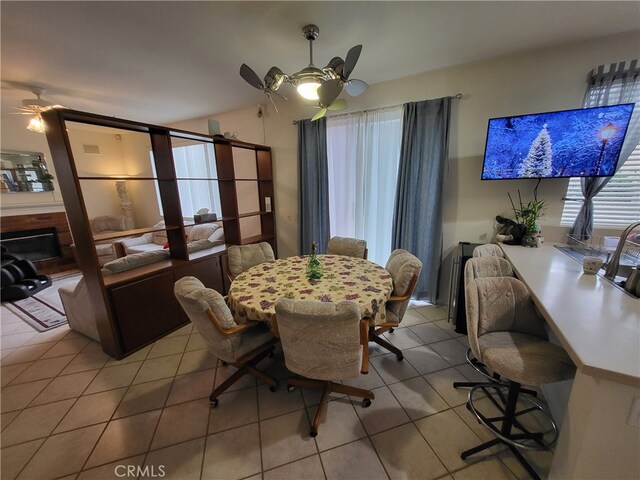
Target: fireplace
36, 244
42, 237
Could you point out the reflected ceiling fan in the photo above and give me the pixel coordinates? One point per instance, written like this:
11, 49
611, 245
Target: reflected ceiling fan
35, 107
313, 83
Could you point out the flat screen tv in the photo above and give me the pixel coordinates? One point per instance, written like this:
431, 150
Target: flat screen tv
570, 143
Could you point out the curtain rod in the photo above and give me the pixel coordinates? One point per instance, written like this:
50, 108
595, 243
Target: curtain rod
457, 96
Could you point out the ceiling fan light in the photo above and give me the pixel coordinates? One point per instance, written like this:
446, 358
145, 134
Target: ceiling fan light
36, 124
308, 88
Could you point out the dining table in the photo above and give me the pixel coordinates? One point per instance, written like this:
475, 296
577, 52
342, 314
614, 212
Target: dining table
254, 293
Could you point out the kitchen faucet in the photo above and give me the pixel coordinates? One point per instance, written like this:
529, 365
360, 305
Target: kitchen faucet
614, 261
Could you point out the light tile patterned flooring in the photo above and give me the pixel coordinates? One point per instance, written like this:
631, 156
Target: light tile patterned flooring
70, 411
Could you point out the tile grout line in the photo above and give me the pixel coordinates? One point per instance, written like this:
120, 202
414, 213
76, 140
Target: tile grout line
111, 418
108, 365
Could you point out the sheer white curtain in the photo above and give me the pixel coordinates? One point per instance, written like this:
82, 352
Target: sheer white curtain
195, 168
363, 151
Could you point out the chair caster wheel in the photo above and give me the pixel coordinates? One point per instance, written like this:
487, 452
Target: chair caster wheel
273, 388
290, 388
366, 403
224, 364
213, 403
391, 330
400, 357
313, 433
271, 354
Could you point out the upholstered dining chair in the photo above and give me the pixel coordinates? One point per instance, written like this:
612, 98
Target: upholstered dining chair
241, 346
404, 269
488, 250
323, 342
243, 257
350, 247
504, 328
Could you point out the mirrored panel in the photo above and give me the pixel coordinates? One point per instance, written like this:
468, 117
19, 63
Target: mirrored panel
24, 172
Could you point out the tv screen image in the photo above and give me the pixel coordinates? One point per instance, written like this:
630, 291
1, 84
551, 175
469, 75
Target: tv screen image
570, 143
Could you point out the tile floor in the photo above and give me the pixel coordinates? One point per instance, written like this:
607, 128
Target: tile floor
69, 411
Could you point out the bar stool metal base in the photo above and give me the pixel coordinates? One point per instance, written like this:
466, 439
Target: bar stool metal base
521, 437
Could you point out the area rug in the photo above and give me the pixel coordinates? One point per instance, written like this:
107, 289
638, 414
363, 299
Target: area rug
44, 311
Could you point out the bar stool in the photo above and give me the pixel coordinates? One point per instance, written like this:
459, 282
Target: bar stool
482, 267
488, 250
505, 328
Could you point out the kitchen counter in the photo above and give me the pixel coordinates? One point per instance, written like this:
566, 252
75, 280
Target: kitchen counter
598, 324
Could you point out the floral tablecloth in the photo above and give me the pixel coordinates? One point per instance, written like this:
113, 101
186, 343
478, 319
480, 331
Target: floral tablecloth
253, 293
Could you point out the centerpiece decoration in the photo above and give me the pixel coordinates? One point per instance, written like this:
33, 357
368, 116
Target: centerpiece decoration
524, 230
314, 267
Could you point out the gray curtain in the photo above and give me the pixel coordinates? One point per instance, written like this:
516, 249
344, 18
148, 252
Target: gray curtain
417, 222
618, 85
313, 197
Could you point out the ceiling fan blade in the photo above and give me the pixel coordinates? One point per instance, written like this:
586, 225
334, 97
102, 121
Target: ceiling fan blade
356, 87
351, 60
339, 104
321, 113
251, 77
329, 91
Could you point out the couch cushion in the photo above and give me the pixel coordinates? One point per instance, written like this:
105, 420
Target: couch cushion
145, 247
202, 231
135, 260
108, 223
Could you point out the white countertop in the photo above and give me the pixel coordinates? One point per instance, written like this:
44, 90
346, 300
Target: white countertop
597, 323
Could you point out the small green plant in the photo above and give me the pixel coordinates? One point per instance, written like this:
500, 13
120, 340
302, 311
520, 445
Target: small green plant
528, 214
47, 178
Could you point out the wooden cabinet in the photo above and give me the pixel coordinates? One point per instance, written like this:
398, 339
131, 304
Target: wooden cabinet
145, 309
138, 305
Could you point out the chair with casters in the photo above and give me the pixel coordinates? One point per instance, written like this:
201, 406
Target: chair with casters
350, 247
488, 250
482, 267
510, 336
242, 257
241, 346
404, 269
323, 342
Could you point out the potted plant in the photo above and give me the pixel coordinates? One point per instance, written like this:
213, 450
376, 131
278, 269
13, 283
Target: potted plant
527, 217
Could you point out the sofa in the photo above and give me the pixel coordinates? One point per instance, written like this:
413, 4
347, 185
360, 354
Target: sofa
75, 299
213, 232
107, 250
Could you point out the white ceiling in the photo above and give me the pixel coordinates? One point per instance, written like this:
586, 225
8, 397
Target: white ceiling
166, 61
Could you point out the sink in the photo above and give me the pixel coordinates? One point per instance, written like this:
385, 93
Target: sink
578, 253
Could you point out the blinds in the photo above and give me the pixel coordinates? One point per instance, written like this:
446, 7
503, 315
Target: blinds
617, 205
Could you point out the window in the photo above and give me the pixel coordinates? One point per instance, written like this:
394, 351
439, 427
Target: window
618, 203
363, 152
196, 173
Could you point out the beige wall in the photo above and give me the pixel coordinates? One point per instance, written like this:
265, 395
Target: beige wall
543, 80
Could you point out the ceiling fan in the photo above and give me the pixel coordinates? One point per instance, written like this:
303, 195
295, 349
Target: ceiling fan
313, 83
35, 107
